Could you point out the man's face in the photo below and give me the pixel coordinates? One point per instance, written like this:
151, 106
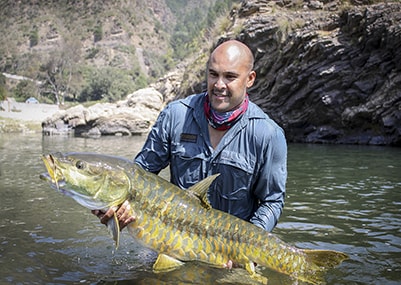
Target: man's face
228, 77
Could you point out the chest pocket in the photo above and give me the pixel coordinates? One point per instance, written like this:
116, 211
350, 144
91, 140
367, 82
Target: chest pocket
187, 163
242, 163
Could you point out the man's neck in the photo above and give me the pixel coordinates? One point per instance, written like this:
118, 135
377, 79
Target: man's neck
215, 136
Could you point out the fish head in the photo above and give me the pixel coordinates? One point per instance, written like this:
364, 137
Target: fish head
93, 180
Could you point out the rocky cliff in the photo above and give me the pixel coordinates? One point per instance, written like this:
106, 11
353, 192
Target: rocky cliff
327, 72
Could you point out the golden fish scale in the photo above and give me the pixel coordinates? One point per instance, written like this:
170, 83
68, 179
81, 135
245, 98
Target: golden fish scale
171, 221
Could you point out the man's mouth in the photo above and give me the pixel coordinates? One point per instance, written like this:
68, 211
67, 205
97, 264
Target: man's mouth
217, 94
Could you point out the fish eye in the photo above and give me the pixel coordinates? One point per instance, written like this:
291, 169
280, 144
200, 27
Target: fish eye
80, 164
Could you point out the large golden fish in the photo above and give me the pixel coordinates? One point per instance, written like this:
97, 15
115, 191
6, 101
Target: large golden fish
180, 225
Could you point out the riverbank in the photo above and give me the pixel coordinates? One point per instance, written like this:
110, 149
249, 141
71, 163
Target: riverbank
23, 117
8, 125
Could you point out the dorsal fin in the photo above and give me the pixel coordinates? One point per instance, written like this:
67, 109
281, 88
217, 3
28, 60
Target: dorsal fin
200, 190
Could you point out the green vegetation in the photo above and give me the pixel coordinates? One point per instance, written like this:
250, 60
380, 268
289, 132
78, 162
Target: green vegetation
18, 126
34, 38
3, 87
24, 90
189, 33
109, 85
98, 33
78, 51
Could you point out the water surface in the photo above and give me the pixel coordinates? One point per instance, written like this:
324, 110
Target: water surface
345, 198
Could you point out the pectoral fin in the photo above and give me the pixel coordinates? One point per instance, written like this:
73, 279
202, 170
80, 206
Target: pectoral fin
166, 263
114, 229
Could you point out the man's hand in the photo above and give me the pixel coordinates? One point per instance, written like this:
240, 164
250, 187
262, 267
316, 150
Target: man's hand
123, 215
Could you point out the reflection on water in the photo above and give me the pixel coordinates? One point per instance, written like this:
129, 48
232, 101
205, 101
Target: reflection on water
345, 198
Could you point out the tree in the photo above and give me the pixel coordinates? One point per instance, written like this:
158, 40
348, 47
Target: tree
60, 69
34, 38
3, 87
24, 90
98, 32
110, 85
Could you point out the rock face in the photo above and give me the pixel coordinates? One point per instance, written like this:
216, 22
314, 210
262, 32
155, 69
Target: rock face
326, 73
336, 79
133, 116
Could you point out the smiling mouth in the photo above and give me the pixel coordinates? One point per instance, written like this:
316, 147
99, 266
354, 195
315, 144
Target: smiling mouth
220, 95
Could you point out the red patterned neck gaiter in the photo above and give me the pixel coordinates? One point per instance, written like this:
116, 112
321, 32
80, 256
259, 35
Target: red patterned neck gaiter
225, 120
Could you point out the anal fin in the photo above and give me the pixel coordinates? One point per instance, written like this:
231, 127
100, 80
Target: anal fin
166, 263
250, 267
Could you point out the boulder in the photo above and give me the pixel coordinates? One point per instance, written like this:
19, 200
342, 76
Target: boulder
132, 116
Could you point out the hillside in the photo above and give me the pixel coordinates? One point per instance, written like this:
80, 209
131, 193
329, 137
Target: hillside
98, 50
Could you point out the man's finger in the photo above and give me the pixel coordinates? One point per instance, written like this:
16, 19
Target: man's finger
108, 215
122, 210
129, 220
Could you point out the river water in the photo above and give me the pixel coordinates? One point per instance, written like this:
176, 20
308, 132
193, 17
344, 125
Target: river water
345, 198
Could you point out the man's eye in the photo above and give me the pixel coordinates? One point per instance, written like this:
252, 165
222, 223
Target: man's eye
80, 164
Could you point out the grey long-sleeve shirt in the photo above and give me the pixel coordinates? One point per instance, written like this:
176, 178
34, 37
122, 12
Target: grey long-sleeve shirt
251, 159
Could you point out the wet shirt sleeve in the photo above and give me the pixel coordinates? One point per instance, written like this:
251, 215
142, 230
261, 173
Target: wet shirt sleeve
270, 186
155, 153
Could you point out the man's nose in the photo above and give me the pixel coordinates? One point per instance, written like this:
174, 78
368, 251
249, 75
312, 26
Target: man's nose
220, 83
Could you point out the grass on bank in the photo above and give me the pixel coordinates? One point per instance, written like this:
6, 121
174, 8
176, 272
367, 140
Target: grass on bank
8, 125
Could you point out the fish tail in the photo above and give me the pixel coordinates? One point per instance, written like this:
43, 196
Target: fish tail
325, 259
320, 261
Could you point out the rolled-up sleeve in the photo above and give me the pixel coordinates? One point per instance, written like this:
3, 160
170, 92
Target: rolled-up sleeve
271, 183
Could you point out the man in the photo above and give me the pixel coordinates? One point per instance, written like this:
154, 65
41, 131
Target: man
221, 131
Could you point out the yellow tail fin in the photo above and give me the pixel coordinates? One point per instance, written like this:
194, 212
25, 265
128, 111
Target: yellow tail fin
325, 259
321, 261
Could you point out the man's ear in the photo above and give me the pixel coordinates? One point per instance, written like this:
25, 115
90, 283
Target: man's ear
251, 78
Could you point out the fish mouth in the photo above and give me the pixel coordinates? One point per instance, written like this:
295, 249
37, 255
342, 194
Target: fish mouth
53, 176
50, 165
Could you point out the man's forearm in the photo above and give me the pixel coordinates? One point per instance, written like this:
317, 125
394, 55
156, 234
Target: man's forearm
266, 216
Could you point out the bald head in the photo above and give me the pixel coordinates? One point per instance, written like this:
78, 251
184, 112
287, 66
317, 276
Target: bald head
230, 73
234, 51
